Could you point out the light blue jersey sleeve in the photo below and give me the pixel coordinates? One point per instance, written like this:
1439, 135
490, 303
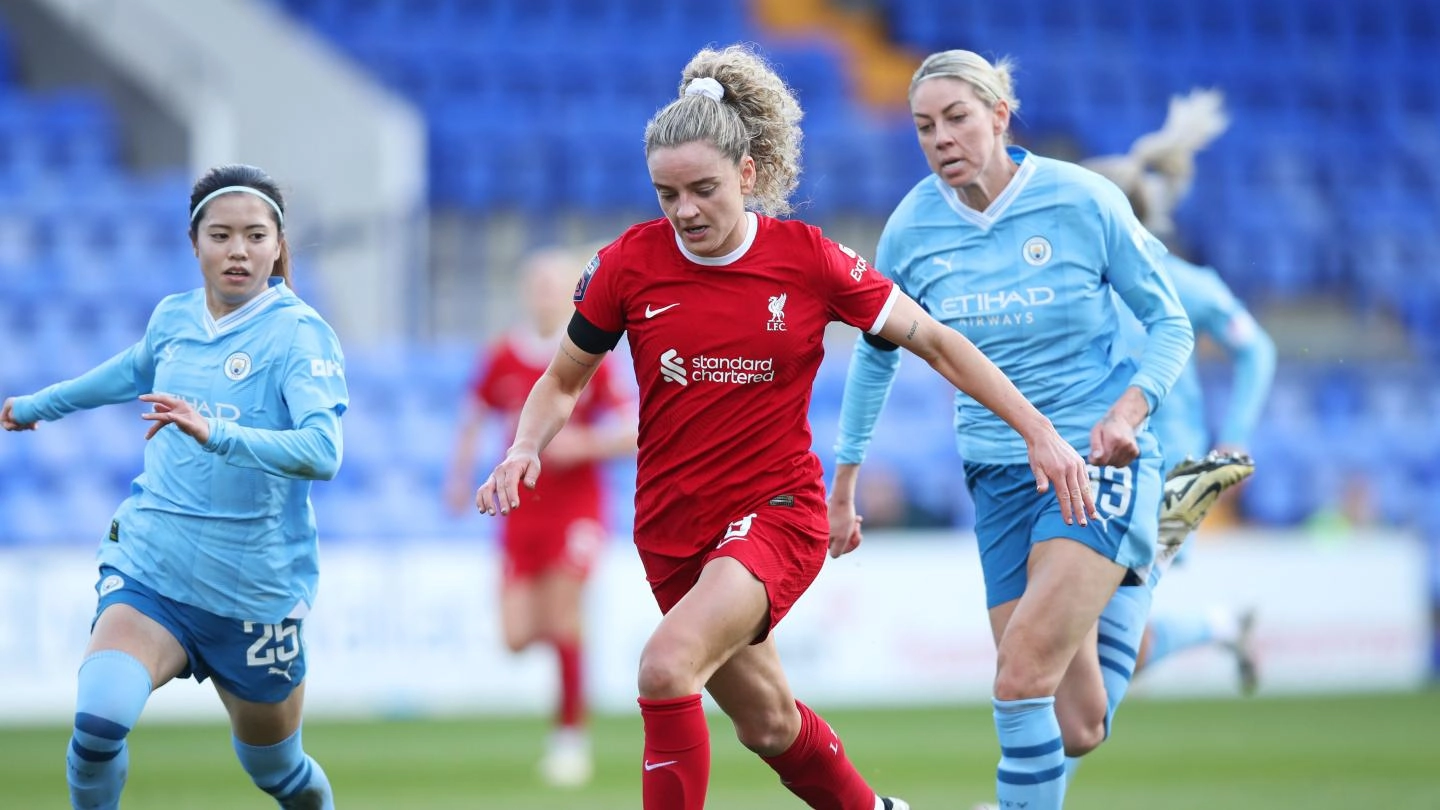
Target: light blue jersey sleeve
867, 387
315, 392
1214, 311
1134, 259
122, 378
867, 382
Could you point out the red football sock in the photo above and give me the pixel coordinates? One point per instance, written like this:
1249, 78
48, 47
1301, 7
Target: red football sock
572, 691
677, 754
816, 769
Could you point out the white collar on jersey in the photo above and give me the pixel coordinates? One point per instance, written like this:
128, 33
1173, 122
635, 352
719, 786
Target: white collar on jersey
752, 224
246, 313
1000, 204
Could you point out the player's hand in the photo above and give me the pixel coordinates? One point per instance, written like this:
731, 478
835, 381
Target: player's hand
1113, 443
172, 410
500, 493
7, 417
1055, 463
845, 534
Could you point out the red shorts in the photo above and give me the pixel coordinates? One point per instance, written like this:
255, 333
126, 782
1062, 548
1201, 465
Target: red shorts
782, 546
533, 548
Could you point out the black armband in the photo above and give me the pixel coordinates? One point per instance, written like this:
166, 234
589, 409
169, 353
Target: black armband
589, 337
878, 342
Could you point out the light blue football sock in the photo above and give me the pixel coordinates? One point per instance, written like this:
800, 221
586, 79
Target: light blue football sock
1072, 764
1171, 634
1031, 774
112, 690
1122, 626
284, 771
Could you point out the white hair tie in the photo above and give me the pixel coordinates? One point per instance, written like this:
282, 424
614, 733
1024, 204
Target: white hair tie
200, 206
705, 86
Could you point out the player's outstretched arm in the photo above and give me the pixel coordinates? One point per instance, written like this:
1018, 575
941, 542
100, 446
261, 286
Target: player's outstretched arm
546, 410
462, 464
947, 351
122, 378
867, 387
7, 417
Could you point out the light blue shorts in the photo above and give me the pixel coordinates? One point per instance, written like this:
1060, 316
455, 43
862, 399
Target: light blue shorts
261, 663
1011, 517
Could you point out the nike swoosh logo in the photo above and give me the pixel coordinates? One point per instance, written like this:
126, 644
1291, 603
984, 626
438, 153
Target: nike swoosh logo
650, 313
650, 766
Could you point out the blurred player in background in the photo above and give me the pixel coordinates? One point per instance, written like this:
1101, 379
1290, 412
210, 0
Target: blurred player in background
1026, 256
725, 311
548, 551
210, 565
1155, 175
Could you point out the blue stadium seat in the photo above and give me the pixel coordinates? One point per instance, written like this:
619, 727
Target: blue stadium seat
534, 102
343, 512
30, 514
81, 132
1419, 25
21, 145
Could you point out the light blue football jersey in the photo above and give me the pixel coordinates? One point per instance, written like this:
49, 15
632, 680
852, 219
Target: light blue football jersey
1180, 422
1029, 281
228, 527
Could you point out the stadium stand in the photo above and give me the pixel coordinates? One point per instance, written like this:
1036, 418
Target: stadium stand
1328, 184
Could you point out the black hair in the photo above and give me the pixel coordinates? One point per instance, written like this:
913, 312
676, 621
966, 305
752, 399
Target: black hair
240, 174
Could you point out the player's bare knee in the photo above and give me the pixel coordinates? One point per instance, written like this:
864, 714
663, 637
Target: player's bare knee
558, 632
1082, 737
664, 674
1018, 680
517, 642
768, 731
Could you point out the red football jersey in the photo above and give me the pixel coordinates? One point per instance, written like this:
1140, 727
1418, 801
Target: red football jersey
562, 494
725, 351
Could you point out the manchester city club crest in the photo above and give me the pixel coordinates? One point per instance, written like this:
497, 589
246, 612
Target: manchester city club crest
1036, 251
237, 366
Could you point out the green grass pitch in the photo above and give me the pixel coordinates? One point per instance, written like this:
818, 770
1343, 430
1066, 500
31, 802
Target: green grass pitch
1315, 753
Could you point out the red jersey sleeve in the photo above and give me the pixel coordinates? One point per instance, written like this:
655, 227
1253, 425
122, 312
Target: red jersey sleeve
857, 293
598, 297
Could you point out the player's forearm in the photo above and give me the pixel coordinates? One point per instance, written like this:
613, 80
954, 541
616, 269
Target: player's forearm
616, 443
968, 369
1254, 372
1169, 342
463, 461
867, 387
311, 452
577, 444
846, 478
1131, 408
113, 381
546, 410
